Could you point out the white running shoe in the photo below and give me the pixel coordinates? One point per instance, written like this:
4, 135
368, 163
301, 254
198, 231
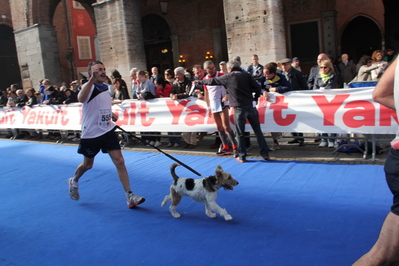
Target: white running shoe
152, 143
177, 145
157, 143
73, 189
331, 144
133, 200
169, 145
323, 144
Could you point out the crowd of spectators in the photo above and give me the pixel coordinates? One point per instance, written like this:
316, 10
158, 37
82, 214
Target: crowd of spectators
281, 76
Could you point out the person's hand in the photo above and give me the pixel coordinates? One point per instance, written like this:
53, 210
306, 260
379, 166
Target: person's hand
174, 97
272, 89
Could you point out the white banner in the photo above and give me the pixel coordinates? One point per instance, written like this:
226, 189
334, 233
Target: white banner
329, 111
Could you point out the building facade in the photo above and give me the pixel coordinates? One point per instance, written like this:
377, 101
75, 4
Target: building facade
169, 33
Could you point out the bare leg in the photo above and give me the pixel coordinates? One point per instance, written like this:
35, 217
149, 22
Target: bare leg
87, 164
119, 161
386, 250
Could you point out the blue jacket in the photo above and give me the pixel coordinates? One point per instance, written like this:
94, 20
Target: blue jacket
279, 82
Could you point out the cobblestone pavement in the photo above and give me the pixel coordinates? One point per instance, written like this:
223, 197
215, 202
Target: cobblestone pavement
310, 152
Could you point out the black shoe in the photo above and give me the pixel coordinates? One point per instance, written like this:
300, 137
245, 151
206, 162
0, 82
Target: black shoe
293, 141
301, 143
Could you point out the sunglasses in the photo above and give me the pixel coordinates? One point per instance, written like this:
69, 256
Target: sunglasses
323, 67
167, 74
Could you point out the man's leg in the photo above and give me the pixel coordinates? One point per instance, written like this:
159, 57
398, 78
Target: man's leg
119, 161
240, 120
386, 250
253, 119
87, 164
117, 158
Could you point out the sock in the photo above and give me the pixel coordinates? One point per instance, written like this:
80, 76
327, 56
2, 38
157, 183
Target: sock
127, 192
74, 184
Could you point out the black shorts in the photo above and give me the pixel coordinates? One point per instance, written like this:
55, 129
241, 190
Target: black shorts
392, 176
107, 142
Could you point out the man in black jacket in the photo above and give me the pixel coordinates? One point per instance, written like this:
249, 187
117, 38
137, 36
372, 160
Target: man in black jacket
297, 81
240, 87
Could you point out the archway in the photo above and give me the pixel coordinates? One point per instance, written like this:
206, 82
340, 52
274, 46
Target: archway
157, 42
361, 37
9, 67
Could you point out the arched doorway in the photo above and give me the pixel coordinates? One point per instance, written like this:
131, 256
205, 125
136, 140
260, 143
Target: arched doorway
157, 42
361, 37
9, 67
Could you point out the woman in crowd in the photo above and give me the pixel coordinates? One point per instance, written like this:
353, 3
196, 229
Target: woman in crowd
326, 79
379, 63
169, 76
120, 90
366, 66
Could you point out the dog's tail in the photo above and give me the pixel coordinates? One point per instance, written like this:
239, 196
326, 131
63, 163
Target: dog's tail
173, 173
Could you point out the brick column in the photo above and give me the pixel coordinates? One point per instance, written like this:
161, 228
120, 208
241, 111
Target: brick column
255, 27
120, 37
330, 32
38, 57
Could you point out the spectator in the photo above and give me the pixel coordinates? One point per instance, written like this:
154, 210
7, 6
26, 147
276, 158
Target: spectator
145, 88
242, 91
3, 98
314, 71
218, 107
256, 69
32, 100
154, 74
163, 88
21, 98
295, 64
326, 79
169, 76
390, 55
70, 97
223, 67
295, 78
365, 69
133, 76
347, 69
120, 90
275, 82
377, 61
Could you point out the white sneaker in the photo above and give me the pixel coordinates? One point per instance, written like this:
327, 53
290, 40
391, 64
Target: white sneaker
177, 145
323, 144
133, 200
169, 145
331, 144
73, 189
152, 143
157, 143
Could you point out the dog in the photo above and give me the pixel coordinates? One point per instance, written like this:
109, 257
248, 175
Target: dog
202, 190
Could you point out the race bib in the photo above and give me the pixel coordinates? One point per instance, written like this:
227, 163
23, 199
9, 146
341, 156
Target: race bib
104, 118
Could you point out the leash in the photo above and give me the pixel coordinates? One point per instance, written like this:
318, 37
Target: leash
161, 151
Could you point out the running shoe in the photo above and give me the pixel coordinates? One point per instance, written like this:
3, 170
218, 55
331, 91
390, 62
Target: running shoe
224, 152
235, 152
133, 200
73, 189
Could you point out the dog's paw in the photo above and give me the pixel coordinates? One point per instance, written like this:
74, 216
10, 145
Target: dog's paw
228, 217
211, 215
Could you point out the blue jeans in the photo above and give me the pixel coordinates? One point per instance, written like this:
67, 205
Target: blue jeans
241, 114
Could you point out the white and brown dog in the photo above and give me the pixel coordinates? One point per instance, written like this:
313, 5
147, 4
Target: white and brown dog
202, 190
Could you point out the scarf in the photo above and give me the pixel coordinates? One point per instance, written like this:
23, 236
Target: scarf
325, 77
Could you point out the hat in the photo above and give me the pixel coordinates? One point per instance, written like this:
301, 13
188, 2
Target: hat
285, 61
73, 82
222, 63
51, 88
295, 59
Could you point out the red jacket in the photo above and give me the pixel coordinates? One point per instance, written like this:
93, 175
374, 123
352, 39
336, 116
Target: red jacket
164, 92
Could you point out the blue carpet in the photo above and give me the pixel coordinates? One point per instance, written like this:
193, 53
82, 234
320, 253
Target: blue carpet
285, 213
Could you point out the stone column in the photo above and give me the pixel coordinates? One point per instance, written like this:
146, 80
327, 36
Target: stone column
330, 32
255, 27
120, 36
38, 57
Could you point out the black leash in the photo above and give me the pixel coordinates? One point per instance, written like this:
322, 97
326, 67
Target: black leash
158, 149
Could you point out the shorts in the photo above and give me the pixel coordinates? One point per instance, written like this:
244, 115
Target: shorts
392, 176
106, 142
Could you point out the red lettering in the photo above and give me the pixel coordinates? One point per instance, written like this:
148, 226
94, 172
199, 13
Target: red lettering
367, 111
176, 109
129, 116
386, 115
143, 111
329, 108
278, 108
196, 116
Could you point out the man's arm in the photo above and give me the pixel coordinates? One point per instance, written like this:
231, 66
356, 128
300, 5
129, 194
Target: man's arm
383, 92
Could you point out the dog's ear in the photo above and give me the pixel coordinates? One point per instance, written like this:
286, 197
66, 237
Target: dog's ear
219, 170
